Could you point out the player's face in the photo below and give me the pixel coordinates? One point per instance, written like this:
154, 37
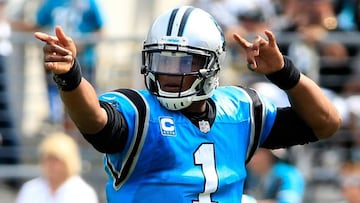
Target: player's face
179, 66
175, 83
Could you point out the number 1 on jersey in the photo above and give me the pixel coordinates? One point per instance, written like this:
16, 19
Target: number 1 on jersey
205, 156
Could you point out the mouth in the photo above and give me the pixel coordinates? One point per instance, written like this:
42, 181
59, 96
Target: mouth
171, 87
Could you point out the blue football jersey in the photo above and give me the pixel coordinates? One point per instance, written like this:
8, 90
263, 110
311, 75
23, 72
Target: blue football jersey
169, 159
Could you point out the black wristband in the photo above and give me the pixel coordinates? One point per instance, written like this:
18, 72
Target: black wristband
70, 80
287, 77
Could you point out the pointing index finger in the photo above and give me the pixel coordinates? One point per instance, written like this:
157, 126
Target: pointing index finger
45, 37
244, 43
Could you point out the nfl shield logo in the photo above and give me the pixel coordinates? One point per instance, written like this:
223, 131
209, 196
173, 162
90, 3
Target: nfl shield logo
204, 126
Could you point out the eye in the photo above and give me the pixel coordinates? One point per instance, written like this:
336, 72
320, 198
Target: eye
164, 61
185, 65
198, 63
165, 64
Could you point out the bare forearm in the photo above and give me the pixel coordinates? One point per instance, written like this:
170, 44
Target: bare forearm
84, 108
314, 107
77, 94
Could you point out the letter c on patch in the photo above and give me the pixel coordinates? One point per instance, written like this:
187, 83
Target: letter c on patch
167, 126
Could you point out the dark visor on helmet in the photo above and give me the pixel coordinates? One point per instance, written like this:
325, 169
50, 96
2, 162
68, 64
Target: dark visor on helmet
171, 62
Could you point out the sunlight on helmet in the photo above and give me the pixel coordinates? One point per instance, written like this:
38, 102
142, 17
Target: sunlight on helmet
183, 42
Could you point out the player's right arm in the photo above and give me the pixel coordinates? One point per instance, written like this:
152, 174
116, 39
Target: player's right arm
81, 102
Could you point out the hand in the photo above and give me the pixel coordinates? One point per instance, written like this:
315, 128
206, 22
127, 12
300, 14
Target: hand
262, 55
59, 51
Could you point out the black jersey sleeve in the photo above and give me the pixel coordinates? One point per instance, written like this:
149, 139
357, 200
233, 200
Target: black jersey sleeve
112, 138
288, 130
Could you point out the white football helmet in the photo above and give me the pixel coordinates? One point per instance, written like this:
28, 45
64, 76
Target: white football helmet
177, 37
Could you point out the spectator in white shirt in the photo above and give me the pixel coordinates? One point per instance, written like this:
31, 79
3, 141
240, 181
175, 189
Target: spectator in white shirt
60, 181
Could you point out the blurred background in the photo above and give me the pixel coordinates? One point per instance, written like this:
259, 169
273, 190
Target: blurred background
320, 36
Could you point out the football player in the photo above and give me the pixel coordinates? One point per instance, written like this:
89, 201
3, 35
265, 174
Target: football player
184, 138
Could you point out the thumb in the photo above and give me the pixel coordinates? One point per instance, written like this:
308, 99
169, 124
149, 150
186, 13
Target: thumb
63, 39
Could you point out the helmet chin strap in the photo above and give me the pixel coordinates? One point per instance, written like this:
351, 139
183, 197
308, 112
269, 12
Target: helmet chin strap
178, 100
173, 104
180, 94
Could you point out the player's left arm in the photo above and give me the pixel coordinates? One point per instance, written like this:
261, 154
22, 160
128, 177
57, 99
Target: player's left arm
306, 97
310, 103
288, 124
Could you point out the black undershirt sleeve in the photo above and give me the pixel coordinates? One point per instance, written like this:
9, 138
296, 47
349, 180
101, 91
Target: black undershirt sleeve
112, 138
288, 130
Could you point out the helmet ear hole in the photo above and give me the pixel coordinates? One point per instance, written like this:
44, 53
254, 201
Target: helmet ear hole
143, 70
150, 83
152, 86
